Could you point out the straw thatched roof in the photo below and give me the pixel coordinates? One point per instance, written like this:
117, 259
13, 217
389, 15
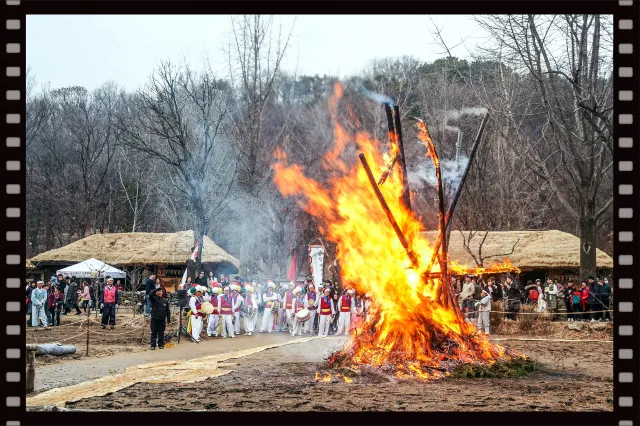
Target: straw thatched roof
534, 249
136, 249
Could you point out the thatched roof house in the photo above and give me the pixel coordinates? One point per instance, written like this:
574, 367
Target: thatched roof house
534, 250
137, 249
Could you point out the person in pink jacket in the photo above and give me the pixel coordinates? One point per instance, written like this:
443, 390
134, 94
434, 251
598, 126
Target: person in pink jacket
86, 296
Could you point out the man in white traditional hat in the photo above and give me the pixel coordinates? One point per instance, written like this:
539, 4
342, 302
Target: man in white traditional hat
225, 301
288, 305
38, 305
298, 304
195, 316
252, 303
311, 303
484, 310
326, 313
238, 300
280, 323
268, 298
346, 308
214, 317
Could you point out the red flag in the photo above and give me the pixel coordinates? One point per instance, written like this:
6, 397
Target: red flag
292, 268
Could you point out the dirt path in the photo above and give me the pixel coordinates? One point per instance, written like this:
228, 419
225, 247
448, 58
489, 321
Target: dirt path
73, 371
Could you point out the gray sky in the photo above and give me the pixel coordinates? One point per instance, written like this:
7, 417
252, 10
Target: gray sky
88, 50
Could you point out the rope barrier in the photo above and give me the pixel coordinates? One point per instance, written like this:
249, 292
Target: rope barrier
72, 337
549, 340
541, 313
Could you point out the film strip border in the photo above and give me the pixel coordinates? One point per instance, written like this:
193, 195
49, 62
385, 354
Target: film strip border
626, 223
14, 204
626, 228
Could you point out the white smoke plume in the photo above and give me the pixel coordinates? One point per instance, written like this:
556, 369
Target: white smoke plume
455, 114
379, 97
425, 173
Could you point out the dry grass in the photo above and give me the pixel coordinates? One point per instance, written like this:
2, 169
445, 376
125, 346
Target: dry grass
137, 248
534, 249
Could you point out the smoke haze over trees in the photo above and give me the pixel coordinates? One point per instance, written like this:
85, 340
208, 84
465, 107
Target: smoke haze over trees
193, 150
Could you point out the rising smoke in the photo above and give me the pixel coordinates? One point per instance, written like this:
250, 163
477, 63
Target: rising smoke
425, 173
455, 114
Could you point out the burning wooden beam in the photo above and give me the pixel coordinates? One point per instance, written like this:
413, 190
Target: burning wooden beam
395, 152
454, 202
405, 244
402, 163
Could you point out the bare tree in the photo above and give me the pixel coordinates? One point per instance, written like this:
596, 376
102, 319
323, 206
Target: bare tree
565, 59
177, 120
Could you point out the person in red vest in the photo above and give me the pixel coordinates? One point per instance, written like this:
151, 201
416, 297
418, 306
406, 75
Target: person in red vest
194, 327
214, 317
298, 304
225, 302
238, 300
268, 298
109, 300
288, 305
251, 310
326, 312
357, 317
311, 303
346, 307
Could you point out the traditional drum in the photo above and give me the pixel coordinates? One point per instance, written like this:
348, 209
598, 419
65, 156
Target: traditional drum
303, 315
206, 307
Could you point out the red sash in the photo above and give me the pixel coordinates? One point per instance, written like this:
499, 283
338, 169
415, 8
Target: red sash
299, 305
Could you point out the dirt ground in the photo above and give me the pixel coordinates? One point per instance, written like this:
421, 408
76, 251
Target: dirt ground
574, 376
127, 337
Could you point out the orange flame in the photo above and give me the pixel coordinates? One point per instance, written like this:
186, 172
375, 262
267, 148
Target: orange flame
346, 379
414, 331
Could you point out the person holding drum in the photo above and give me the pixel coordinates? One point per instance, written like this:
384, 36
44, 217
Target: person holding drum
301, 314
346, 306
250, 310
214, 317
269, 298
326, 313
311, 303
238, 301
288, 305
195, 314
225, 302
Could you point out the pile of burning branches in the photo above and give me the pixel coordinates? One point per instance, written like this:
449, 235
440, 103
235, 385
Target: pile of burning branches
417, 328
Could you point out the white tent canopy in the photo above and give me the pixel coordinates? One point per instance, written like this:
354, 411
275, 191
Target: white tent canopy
92, 268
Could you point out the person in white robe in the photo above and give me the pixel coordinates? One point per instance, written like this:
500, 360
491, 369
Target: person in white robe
214, 317
195, 316
238, 301
268, 298
311, 301
346, 307
327, 311
225, 303
252, 302
298, 304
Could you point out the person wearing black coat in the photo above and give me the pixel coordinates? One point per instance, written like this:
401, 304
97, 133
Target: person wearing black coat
605, 299
593, 301
159, 313
149, 285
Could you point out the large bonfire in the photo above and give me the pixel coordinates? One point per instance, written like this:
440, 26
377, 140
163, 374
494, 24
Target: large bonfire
414, 330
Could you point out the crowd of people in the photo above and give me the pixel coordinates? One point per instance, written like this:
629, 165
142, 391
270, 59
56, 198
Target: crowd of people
299, 308
296, 308
588, 301
64, 295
